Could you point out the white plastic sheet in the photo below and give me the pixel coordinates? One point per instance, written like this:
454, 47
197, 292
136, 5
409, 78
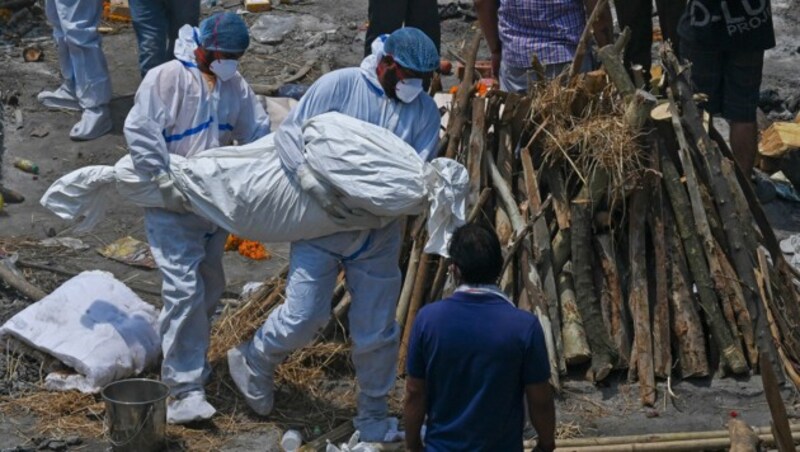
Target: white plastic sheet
245, 190
94, 324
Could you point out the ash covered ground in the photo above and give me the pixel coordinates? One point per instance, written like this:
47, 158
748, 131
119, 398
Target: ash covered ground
330, 34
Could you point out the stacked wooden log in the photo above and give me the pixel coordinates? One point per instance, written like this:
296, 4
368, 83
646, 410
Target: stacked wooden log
630, 233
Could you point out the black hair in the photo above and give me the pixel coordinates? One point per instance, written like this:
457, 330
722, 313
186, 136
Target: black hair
475, 251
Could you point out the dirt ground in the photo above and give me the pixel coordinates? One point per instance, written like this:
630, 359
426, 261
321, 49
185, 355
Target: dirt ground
330, 33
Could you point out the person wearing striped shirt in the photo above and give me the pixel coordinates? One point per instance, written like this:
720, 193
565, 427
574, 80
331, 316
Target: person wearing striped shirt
516, 30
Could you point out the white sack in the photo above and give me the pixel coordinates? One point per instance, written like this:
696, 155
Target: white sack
94, 324
245, 190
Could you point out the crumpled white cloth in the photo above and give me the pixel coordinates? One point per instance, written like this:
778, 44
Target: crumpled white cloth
94, 324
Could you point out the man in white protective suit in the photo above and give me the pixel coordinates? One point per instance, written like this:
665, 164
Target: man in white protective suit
387, 91
196, 102
86, 86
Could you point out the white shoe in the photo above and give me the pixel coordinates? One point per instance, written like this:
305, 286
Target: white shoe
63, 97
94, 123
189, 407
258, 390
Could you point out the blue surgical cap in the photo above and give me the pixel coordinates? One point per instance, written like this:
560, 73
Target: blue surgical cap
224, 32
412, 49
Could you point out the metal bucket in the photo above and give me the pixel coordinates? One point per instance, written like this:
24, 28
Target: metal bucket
136, 415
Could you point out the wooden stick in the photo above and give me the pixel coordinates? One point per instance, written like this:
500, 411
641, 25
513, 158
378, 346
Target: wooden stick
604, 354
743, 438
420, 286
580, 52
780, 420
620, 331
719, 170
271, 90
686, 324
477, 146
576, 348
732, 292
662, 352
543, 256
764, 285
638, 300
611, 57
408, 283
699, 268
19, 284
458, 116
531, 278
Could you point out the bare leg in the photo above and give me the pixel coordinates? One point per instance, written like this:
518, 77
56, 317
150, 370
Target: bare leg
744, 144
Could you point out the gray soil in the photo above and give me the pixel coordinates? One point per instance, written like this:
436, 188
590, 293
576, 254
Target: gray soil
331, 33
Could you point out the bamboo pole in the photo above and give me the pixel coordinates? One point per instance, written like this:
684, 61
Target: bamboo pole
655, 438
674, 446
420, 286
408, 282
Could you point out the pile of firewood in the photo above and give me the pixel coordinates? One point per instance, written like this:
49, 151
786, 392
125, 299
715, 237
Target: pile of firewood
627, 228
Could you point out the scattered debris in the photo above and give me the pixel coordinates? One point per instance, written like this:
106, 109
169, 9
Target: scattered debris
66, 242
250, 249
130, 251
40, 132
32, 54
10, 196
258, 6
272, 29
250, 288
26, 166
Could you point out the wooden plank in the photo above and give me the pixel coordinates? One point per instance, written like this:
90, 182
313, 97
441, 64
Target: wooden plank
779, 138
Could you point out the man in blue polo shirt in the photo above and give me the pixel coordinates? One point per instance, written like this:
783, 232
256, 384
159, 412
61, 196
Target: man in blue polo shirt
473, 357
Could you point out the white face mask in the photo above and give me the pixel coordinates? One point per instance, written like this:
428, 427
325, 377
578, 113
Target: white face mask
407, 90
224, 69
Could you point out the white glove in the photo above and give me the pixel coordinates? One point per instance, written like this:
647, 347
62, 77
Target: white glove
330, 201
174, 199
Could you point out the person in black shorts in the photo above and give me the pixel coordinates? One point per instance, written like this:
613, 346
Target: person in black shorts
725, 41
386, 16
638, 15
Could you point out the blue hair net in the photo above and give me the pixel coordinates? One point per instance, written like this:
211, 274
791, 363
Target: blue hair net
412, 49
224, 32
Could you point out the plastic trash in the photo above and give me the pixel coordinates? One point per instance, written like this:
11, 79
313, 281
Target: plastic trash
291, 441
353, 445
27, 166
271, 28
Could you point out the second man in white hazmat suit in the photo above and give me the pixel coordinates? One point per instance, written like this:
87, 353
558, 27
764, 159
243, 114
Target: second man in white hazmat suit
386, 91
86, 86
196, 102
